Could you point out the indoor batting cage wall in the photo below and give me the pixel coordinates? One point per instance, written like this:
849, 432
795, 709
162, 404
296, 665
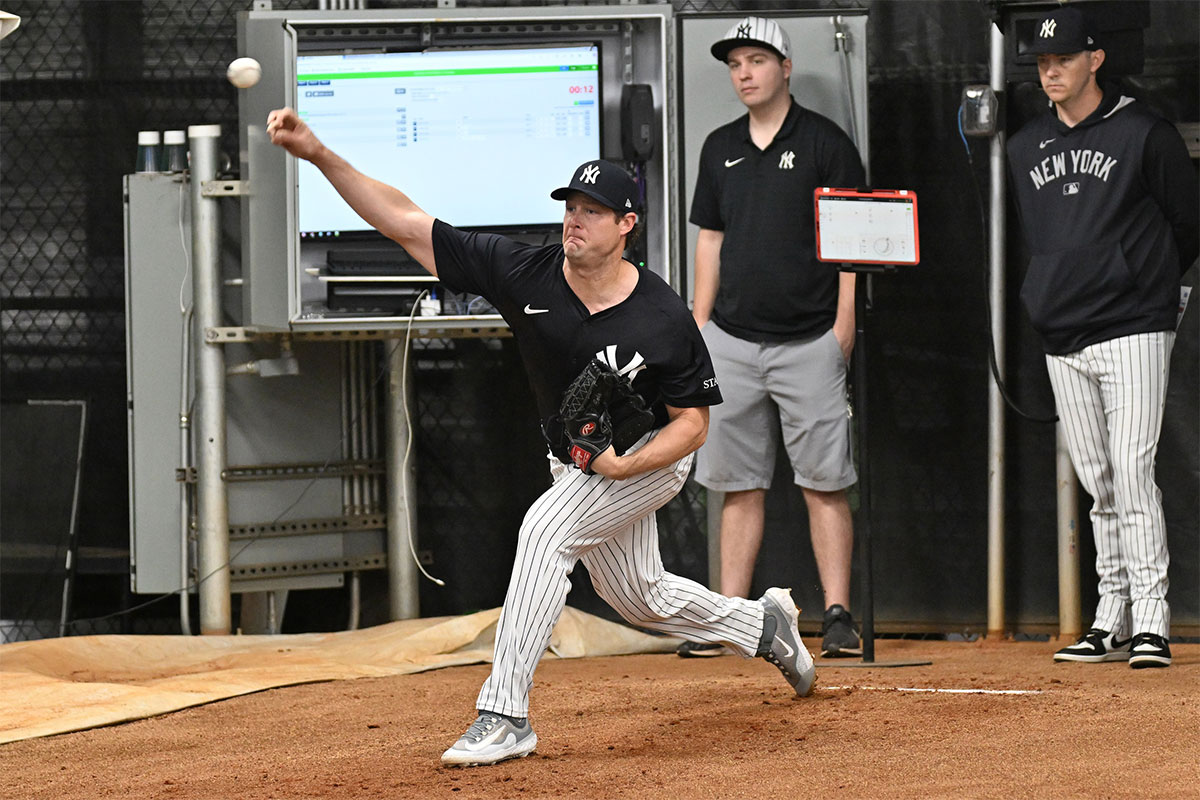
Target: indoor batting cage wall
80, 79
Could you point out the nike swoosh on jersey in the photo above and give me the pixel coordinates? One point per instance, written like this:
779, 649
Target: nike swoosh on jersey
736, 161
531, 310
1042, 144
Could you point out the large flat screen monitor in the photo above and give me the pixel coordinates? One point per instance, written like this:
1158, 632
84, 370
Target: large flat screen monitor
477, 137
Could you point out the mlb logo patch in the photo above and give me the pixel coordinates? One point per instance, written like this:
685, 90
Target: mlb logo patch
1071, 188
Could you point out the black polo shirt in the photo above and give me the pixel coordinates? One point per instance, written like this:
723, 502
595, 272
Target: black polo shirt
772, 286
649, 336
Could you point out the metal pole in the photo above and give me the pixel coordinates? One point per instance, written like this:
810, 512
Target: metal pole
212, 503
402, 494
716, 502
862, 302
996, 255
350, 447
373, 482
355, 601
1070, 622
185, 461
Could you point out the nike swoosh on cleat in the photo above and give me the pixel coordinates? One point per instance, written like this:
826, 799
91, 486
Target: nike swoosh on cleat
790, 651
736, 161
531, 310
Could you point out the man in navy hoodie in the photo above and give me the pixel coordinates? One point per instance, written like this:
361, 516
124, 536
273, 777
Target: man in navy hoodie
1107, 196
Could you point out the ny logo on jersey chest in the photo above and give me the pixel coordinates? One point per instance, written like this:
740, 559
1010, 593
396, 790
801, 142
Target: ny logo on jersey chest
608, 356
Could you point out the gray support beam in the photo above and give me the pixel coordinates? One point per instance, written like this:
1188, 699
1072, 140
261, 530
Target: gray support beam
402, 489
1070, 622
996, 256
212, 502
716, 502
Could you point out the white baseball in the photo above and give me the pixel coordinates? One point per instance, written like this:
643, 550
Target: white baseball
243, 72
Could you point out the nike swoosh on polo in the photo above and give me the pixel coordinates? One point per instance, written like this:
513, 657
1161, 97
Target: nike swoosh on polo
736, 161
531, 310
1043, 143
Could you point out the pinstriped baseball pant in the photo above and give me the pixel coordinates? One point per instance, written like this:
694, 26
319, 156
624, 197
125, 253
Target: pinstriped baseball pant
1110, 398
610, 526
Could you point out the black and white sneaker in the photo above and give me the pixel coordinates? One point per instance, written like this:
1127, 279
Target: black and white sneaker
700, 650
1095, 646
1149, 650
490, 739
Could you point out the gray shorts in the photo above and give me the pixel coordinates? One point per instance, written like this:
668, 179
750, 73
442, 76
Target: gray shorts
794, 388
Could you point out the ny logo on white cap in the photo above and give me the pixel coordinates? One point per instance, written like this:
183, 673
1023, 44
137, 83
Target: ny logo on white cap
743, 30
589, 174
1048, 27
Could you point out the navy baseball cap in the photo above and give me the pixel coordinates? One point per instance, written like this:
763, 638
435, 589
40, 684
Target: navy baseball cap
754, 32
604, 182
1062, 31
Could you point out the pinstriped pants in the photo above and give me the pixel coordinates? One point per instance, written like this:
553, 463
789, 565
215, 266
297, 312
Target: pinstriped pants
610, 526
1110, 399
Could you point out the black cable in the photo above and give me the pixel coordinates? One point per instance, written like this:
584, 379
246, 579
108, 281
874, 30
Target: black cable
987, 271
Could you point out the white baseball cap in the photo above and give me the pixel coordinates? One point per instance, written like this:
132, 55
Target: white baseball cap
754, 32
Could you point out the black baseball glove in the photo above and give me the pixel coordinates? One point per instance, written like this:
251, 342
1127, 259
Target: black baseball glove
599, 408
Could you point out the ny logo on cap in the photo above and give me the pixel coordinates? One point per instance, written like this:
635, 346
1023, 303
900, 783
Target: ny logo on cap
743, 31
1048, 27
589, 174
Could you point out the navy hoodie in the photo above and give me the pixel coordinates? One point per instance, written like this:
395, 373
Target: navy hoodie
1111, 214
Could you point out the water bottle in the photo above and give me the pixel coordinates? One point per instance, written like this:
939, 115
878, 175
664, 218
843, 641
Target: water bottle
147, 151
176, 155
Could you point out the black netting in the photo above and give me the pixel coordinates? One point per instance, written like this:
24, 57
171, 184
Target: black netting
79, 79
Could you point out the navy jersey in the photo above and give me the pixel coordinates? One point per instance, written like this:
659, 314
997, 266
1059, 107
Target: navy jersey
650, 336
1109, 208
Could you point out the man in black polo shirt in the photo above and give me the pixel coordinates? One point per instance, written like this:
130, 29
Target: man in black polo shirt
778, 324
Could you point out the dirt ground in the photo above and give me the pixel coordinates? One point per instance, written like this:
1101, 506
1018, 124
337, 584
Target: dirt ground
655, 726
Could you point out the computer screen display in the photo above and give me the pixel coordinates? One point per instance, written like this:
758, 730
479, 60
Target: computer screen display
476, 137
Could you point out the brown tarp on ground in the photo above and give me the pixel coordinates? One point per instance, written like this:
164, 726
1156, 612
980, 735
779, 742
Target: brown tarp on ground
58, 685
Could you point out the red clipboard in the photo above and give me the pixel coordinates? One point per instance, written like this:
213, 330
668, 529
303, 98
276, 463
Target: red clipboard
875, 227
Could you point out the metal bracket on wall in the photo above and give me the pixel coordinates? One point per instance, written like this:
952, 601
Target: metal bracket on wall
224, 188
276, 472
228, 334
627, 52
320, 566
220, 335
308, 527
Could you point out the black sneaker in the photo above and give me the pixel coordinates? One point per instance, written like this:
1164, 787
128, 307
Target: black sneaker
839, 639
700, 650
1095, 646
1149, 650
